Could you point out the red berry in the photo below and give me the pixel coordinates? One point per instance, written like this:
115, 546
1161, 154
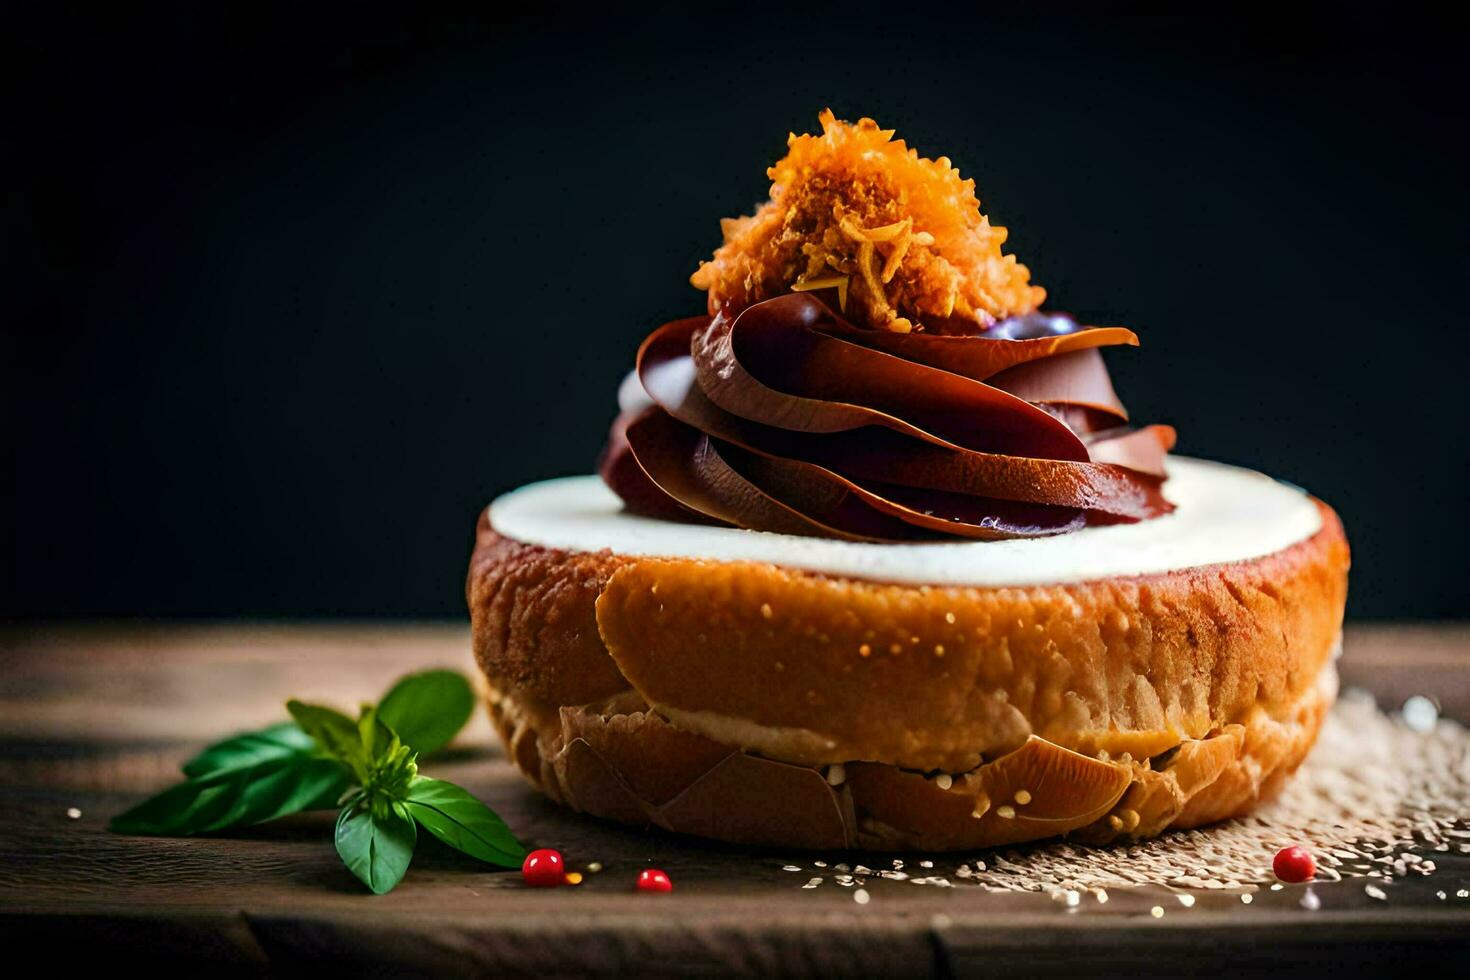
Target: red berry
543, 869
654, 880
1294, 864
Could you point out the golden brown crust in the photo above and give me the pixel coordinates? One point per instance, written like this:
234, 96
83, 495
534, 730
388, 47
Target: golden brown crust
1193, 694
629, 764
533, 622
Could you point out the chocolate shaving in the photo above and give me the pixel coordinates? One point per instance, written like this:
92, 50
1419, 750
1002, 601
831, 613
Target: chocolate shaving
784, 417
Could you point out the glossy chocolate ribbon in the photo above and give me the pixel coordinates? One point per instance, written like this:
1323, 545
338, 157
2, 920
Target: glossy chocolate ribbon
784, 417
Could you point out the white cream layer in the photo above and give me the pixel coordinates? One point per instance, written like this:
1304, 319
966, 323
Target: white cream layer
1224, 514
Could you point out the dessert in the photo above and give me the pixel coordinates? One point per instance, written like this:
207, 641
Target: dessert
876, 560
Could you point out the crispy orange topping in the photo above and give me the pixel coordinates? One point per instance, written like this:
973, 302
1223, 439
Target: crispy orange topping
905, 232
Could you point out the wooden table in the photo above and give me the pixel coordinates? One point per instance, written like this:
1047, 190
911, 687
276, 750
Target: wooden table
93, 718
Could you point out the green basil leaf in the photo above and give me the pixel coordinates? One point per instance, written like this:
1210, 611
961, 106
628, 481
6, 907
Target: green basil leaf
376, 738
453, 815
332, 730
251, 749
237, 796
186, 808
428, 709
376, 844
307, 784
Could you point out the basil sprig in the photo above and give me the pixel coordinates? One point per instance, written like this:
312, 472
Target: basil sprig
367, 766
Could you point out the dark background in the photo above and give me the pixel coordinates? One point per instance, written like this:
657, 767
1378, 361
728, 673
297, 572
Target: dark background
291, 292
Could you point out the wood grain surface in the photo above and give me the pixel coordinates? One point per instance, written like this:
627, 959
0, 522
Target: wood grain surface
93, 718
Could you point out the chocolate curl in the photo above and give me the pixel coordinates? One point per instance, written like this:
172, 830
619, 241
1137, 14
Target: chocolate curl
1078, 379
785, 418
1010, 342
624, 477
685, 464
966, 515
667, 373
793, 497
1142, 450
768, 365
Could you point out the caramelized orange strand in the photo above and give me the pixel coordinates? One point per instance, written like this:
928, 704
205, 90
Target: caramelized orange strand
906, 231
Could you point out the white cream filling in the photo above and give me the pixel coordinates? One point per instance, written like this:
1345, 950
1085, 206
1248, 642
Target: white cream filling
1224, 514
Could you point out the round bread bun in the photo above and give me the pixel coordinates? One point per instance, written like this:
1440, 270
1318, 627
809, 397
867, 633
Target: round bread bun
939, 700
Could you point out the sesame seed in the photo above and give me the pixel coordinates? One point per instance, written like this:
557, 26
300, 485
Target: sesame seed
1006, 812
1023, 796
73, 813
944, 780
926, 864
1420, 714
1186, 900
1373, 891
949, 618
865, 650
766, 610
836, 776
1157, 911
790, 867
861, 896
1247, 898
594, 867
939, 649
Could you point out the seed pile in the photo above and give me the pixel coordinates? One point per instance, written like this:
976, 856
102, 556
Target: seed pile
1377, 799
